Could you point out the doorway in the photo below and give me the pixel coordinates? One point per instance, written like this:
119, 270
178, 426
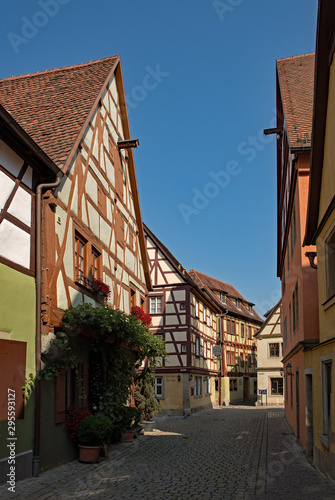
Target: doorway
297, 401
309, 414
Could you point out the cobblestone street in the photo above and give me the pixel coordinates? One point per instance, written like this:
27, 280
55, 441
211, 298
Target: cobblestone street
233, 453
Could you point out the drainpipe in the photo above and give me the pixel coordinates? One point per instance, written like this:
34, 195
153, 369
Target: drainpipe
40, 187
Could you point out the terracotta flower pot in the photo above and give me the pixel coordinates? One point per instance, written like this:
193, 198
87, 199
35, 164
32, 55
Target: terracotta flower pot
127, 436
88, 454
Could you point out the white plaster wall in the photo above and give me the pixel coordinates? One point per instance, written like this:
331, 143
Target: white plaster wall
93, 220
60, 228
10, 160
63, 190
14, 244
125, 278
61, 293
126, 301
7, 185
105, 232
27, 179
130, 260
91, 188
170, 308
157, 321
171, 320
96, 145
120, 253
172, 360
76, 297
179, 295
113, 89
84, 211
74, 204
68, 255
109, 165
88, 136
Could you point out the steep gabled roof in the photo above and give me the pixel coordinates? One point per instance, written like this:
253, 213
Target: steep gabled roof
275, 324
296, 82
204, 294
212, 284
51, 106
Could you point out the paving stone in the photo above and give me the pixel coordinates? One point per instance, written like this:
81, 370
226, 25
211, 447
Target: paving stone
239, 453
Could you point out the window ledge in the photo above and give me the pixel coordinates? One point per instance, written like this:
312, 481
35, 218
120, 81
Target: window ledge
324, 440
329, 302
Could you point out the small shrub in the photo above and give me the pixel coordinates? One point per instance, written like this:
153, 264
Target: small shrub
95, 430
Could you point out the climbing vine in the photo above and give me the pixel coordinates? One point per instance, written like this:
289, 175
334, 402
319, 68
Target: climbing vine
117, 342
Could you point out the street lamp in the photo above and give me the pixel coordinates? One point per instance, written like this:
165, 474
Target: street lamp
289, 370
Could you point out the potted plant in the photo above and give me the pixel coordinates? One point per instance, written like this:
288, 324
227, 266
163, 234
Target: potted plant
100, 288
130, 418
73, 418
93, 432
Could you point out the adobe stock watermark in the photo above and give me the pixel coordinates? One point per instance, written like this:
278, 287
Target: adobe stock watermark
221, 8
262, 306
31, 27
276, 467
220, 180
150, 82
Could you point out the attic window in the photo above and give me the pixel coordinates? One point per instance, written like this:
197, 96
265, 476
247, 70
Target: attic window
238, 303
223, 297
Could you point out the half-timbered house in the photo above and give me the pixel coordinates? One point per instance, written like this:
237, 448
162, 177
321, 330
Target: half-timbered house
185, 318
91, 221
23, 167
238, 324
269, 339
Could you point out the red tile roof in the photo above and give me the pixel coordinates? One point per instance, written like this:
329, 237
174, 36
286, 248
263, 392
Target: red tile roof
212, 284
51, 106
296, 80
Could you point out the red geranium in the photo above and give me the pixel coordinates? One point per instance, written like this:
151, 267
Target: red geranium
100, 286
141, 315
73, 418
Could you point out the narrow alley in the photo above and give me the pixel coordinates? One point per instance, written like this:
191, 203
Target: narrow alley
227, 453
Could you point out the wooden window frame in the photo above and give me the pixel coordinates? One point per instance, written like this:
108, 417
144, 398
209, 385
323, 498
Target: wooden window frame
161, 385
95, 263
80, 257
273, 348
279, 381
155, 298
242, 330
197, 346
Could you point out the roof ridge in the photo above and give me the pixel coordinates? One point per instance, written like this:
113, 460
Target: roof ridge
211, 277
296, 57
60, 69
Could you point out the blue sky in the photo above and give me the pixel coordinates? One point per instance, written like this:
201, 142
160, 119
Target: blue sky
200, 82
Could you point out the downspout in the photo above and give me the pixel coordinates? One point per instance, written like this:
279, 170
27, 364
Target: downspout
40, 187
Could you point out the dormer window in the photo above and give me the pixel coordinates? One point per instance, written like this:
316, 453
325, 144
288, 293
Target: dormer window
238, 304
223, 297
250, 309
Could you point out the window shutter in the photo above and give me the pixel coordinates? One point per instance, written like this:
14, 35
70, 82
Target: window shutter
60, 397
13, 372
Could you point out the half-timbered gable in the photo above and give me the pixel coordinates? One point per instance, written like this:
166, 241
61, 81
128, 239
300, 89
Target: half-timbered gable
92, 223
269, 338
92, 233
185, 318
238, 324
